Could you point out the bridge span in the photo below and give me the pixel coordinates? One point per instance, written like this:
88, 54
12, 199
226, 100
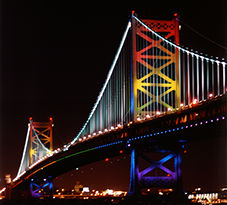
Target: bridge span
163, 133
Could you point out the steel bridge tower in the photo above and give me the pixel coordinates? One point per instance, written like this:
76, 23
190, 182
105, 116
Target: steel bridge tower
40, 140
155, 88
39, 132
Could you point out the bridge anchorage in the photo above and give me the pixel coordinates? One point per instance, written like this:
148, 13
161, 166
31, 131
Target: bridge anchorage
156, 96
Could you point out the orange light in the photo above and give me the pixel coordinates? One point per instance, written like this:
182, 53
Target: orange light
51, 119
168, 175
133, 11
121, 151
175, 14
30, 118
107, 159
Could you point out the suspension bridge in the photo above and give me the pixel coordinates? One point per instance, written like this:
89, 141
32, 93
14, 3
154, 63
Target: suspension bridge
157, 96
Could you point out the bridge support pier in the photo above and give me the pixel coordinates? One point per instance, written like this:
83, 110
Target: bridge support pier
41, 187
162, 173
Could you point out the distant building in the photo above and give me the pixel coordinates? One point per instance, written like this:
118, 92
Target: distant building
78, 187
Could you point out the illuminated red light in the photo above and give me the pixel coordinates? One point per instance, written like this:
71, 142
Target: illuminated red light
51, 119
30, 118
133, 11
175, 14
185, 151
121, 151
107, 159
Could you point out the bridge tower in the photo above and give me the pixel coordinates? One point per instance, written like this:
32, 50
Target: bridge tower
155, 88
40, 132
40, 143
155, 67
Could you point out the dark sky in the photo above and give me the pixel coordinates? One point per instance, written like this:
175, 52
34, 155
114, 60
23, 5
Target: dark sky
55, 57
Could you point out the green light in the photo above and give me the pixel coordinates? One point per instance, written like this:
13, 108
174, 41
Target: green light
74, 154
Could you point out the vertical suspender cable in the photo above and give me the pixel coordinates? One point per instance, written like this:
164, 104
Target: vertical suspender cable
208, 80
202, 75
175, 71
213, 77
188, 78
180, 98
172, 73
224, 90
197, 76
153, 79
193, 75
184, 96
218, 77
156, 81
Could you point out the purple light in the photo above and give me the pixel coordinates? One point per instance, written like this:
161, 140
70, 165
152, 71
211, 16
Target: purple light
129, 145
201, 123
217, 119
206, 121
191, 125
211, 121
196, 124
186, 126
223, 118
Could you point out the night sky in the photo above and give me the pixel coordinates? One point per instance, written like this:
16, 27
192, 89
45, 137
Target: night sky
54, 60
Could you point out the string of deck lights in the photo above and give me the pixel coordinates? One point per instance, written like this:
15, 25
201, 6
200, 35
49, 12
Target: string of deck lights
130, 140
